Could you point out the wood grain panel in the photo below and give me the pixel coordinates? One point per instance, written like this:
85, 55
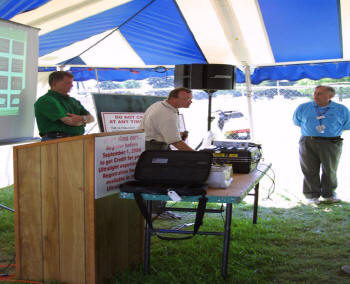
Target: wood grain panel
89, 168
29, 214
50, 211
116, 235
62, 233
72, 208
123, 234
105, 237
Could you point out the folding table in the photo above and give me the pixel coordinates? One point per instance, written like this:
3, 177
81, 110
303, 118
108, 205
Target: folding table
240, 187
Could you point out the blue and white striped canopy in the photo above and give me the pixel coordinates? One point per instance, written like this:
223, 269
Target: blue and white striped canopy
277, 39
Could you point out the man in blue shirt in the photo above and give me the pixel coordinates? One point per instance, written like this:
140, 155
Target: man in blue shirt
322, 122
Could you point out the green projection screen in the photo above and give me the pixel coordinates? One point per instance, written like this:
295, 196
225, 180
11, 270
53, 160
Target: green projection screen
18, 79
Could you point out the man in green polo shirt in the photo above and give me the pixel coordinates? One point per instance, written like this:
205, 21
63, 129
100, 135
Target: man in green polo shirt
57, 114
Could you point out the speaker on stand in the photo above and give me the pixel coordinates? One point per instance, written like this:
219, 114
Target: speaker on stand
206, 77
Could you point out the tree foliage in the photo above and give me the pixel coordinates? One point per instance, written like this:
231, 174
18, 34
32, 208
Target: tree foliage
325, 81
161, 82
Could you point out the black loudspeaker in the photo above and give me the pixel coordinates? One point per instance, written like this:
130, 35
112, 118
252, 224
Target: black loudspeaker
205, 76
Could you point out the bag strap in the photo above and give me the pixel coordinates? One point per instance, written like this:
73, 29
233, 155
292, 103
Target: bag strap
198, 222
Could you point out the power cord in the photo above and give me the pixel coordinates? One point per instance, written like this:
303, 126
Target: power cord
7, 208
271, 189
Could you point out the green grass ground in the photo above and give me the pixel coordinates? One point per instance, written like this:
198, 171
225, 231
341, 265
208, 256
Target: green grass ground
301, 244
7, 236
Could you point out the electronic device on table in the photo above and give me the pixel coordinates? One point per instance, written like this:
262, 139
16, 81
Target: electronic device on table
244, 156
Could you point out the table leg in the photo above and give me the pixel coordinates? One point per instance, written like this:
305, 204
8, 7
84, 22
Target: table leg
256, 200
227, 234
147, 252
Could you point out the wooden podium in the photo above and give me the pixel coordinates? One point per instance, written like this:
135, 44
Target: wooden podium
62, 232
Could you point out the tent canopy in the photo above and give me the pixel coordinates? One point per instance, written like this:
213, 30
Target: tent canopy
279, 39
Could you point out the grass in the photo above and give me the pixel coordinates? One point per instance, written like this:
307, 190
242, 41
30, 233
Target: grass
303, 244
7, 236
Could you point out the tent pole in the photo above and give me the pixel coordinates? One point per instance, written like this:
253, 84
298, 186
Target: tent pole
98, 83
249, 100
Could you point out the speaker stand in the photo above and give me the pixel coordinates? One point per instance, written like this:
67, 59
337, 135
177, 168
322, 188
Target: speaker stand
210, 118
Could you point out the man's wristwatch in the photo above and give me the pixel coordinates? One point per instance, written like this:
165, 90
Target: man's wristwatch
85, 119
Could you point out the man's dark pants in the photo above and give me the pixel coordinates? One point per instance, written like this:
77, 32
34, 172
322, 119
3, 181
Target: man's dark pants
315, 153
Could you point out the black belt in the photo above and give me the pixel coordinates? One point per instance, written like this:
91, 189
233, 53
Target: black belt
324, 138
157, 142
55, 135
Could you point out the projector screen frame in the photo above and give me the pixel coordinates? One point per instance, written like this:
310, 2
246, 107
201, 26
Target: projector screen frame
18, 94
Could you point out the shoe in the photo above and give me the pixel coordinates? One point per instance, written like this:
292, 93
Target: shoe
167, 215
346, 268
312, 201
332, 199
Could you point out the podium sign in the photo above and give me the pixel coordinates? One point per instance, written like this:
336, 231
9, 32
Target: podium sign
115, 161
121, 121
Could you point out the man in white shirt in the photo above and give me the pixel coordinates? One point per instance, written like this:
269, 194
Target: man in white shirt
161, 126
161, 121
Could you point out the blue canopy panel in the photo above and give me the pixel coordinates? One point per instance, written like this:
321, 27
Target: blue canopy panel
123, 74
46, 69
73, 61
9, 9
240, 76
291, 27
119, 74
313, 71
155, 30
160, 36
88, 27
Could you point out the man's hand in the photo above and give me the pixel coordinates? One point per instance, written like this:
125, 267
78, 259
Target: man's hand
181, 145
184, 135
76, 120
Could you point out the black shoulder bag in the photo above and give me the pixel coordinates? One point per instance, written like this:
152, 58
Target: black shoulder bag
184, 172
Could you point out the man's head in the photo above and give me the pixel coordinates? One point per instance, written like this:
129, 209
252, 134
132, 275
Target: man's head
61, 82
180, 98
323, 94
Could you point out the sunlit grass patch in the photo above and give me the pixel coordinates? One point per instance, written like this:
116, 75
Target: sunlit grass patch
302, 244
7, 235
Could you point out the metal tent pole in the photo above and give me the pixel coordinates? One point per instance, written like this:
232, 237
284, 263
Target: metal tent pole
98, 83
249, 100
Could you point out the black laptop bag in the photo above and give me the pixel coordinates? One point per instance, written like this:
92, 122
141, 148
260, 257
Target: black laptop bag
161, 171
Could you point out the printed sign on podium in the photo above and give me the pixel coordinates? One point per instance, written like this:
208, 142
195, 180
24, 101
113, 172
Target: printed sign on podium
115, 161
120, 121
